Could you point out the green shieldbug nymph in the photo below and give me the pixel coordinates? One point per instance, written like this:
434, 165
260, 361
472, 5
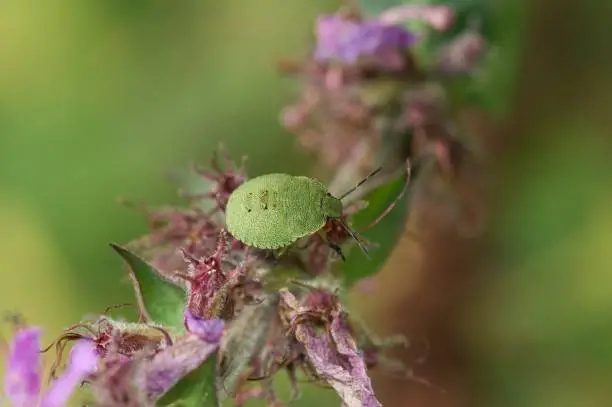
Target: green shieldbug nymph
273, 211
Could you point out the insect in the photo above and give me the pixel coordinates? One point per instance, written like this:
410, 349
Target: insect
273, 211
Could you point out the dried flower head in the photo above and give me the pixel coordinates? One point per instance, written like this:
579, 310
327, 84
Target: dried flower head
331, 123
105, 334
223, 178
172, 228
331, 352
192, 230
216, 285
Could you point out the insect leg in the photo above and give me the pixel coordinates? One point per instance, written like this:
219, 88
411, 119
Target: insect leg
281, 252
336, 249
295, 390
356, 238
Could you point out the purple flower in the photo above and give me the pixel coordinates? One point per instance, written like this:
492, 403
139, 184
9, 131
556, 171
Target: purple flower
83, 361
22, 384
349, 41
22, 381
209, 330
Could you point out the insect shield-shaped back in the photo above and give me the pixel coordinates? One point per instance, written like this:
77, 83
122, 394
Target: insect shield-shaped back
273, 211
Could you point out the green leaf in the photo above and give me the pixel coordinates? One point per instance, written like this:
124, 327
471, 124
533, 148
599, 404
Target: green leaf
196, 389
160, 301
385, 234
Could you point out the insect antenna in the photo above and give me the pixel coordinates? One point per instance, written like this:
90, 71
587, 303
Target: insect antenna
337, 249
116, 306
395, 201
360, 183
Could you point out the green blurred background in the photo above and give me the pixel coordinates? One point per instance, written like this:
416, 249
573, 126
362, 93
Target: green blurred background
102, 99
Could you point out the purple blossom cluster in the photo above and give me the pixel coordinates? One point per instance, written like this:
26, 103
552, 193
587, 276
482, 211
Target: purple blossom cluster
349, 41
365, 87
256, 312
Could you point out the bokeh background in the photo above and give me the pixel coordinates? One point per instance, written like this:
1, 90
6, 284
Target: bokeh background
104, 99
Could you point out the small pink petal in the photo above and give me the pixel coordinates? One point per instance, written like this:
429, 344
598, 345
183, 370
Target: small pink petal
22, 382
83, 361
209, 330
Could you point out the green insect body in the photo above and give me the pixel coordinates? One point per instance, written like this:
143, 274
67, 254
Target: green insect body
273, 211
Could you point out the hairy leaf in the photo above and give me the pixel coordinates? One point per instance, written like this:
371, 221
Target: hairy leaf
159, 300
246, 335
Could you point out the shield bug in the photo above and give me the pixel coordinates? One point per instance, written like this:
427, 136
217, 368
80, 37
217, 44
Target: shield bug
273, 211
